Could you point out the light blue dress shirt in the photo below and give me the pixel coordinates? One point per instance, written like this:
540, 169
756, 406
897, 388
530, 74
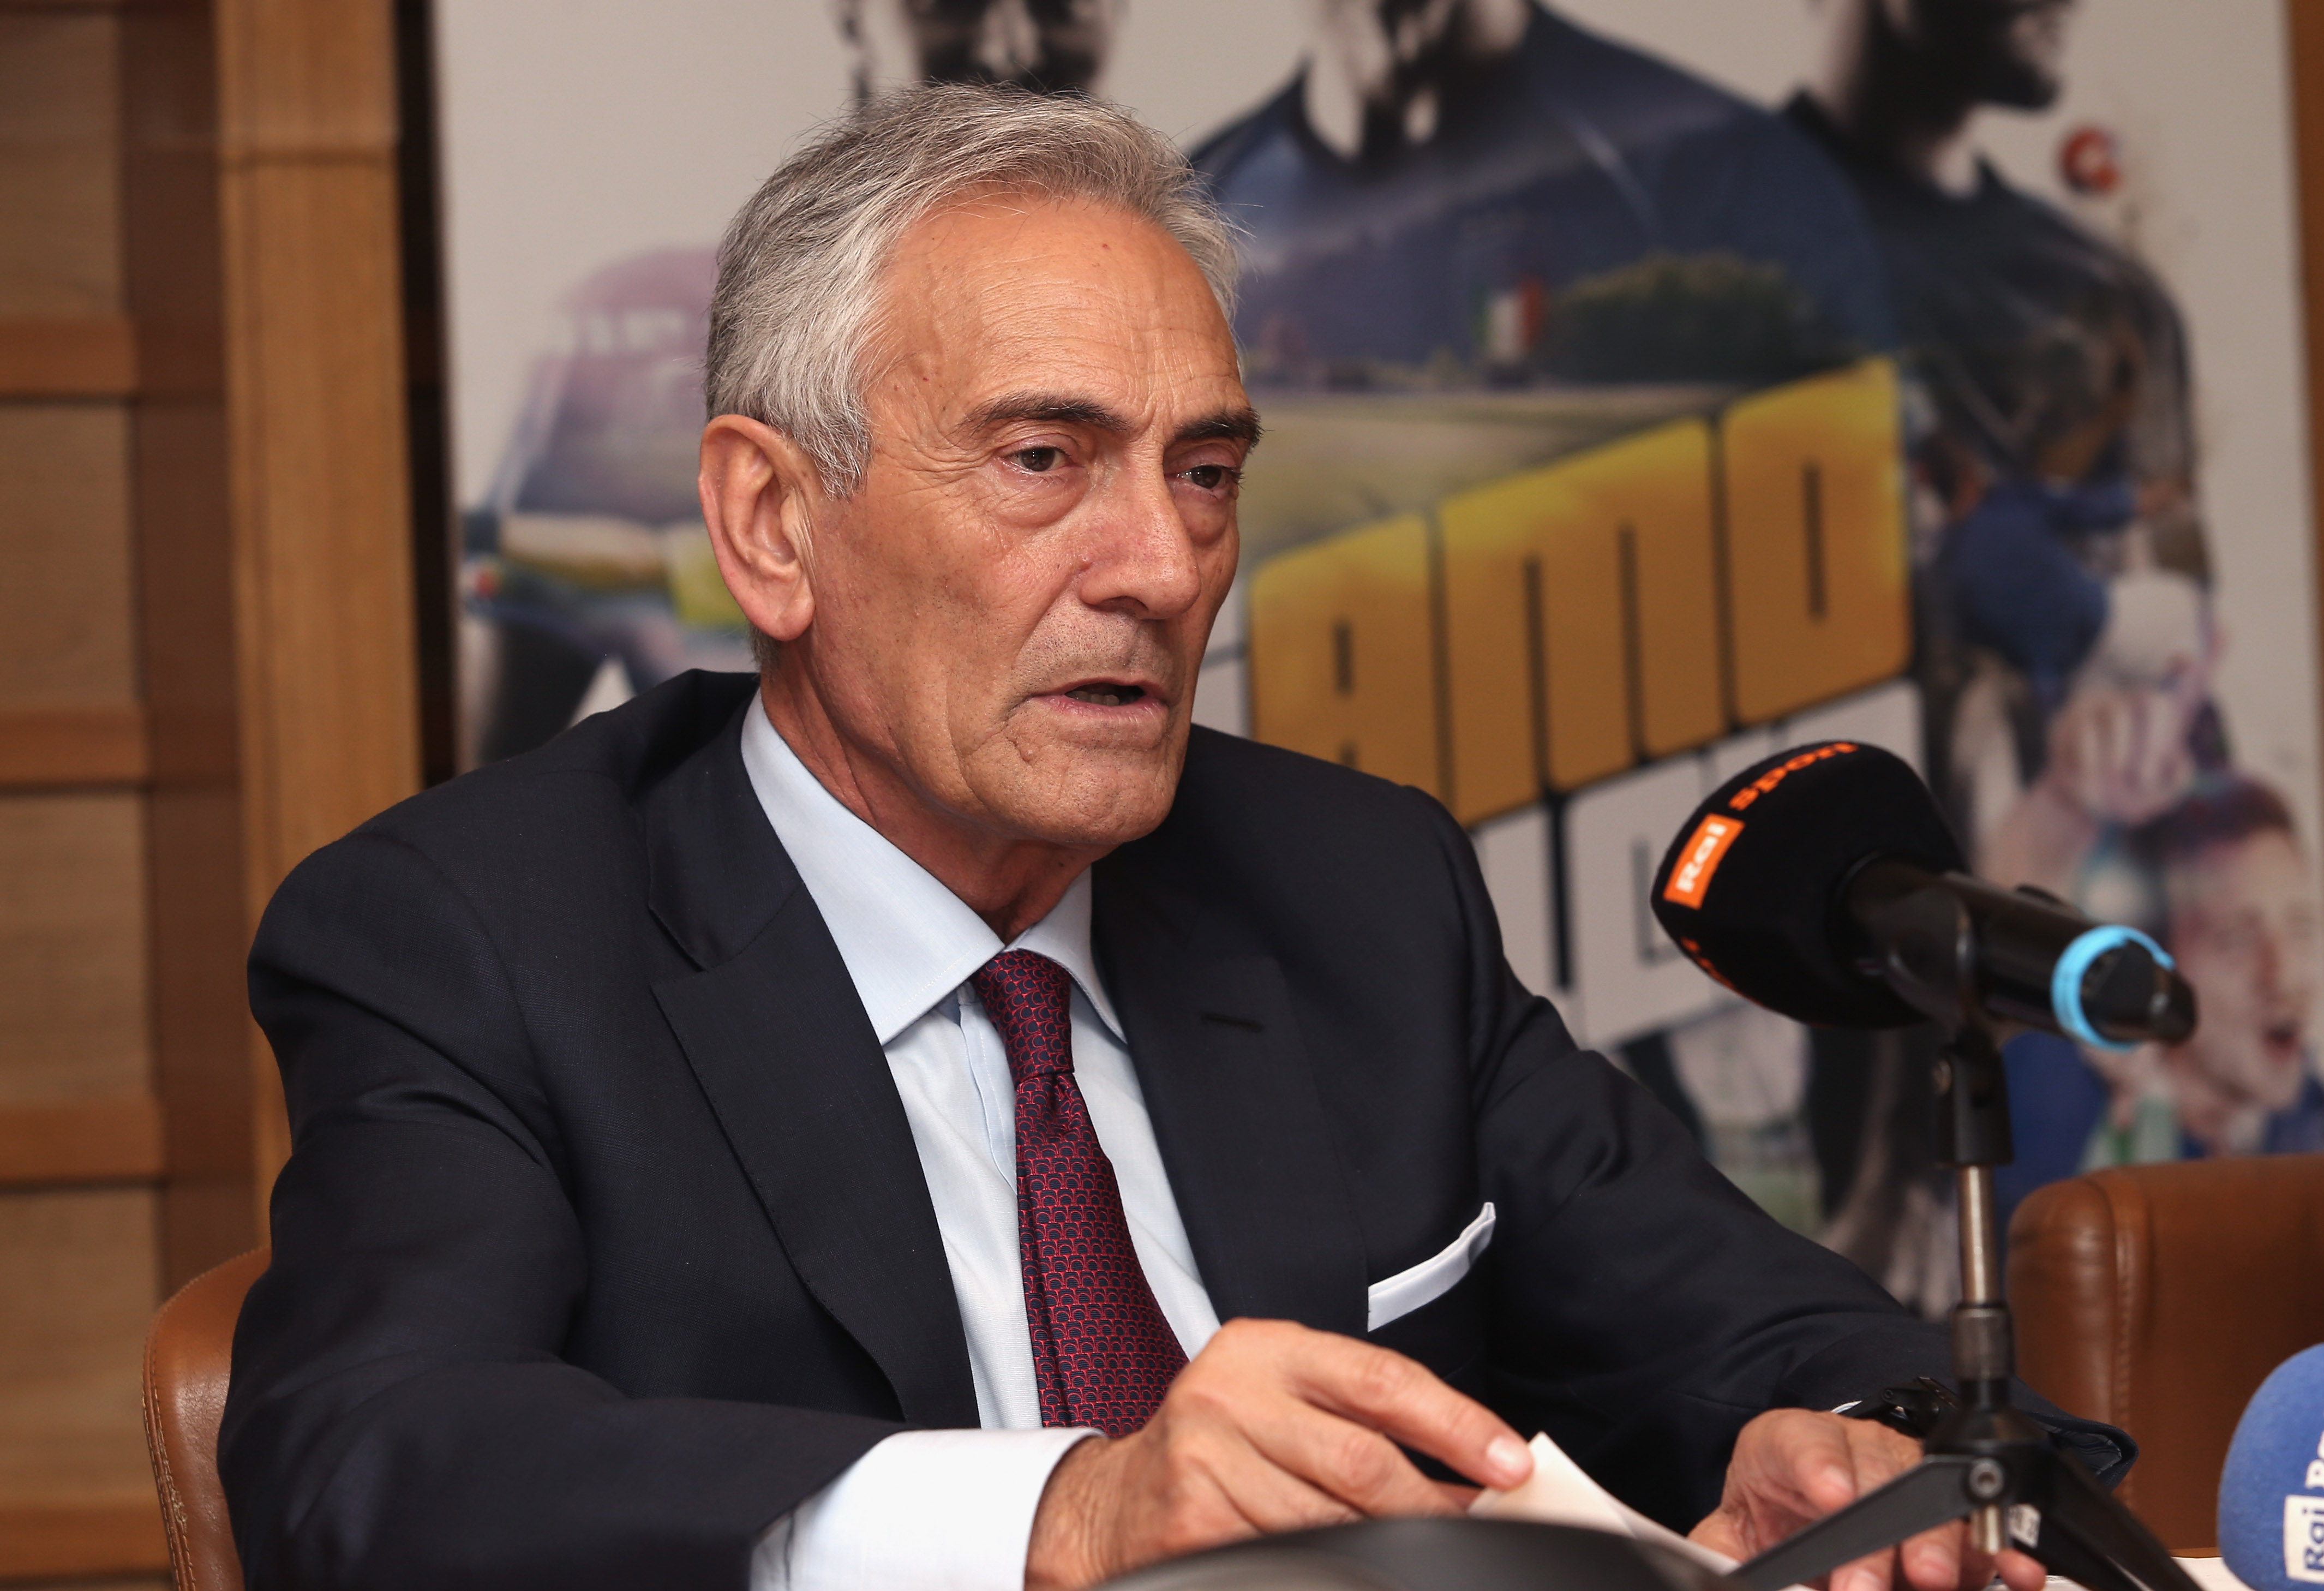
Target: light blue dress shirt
955, 1509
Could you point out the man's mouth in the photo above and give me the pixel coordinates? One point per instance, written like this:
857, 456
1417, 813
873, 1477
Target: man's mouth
1107, 695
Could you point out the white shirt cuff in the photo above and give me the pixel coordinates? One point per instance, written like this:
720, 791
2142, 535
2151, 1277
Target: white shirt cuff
922, 1511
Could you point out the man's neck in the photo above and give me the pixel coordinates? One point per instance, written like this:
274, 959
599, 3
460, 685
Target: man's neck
1009, 881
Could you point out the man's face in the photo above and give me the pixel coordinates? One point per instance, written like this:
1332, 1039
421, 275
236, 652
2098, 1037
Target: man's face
1046, 46
1010, 609
2009, 53
2243, 928
1397, 31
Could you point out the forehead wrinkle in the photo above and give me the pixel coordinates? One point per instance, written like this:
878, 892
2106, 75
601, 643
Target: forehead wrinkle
1023, 263
1069, 319
1062, 334
1122, 379
1055, 408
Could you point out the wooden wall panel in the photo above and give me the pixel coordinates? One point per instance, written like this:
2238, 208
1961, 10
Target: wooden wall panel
314, 400
60, 116
80, 1134
68, 357
328, 697
72, 947
82, 1274
82, 1536
64, 548
174, 272
298, 81
54, 747
207, 660
111, 1138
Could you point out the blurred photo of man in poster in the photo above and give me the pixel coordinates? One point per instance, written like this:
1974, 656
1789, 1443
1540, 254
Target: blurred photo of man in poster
1479, 196
1471, 192
2066, 648
2056, 453
2229, 894
587, 573
2241, 917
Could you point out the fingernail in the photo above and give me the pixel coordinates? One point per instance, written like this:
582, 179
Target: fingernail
1509, 1459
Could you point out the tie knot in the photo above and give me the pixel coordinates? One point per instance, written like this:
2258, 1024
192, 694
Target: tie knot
1029, 999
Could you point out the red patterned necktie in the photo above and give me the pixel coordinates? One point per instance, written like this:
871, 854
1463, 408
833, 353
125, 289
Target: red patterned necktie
1102, 1354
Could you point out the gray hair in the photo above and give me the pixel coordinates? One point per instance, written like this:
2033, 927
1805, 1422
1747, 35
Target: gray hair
799, 271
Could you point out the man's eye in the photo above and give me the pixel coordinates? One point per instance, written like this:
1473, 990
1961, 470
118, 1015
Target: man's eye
1209, 477
1037, 460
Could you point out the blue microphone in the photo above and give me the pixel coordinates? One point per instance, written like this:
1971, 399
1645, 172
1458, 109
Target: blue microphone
2271, 1491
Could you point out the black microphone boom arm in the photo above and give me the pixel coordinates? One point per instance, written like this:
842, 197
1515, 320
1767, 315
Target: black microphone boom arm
1987, 1462
1824, 884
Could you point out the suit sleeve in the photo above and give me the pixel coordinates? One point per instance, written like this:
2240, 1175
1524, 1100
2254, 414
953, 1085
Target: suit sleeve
399, 1412
1644, 1308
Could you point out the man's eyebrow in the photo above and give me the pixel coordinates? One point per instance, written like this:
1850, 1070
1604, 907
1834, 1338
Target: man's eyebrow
1051, 407
1228, 425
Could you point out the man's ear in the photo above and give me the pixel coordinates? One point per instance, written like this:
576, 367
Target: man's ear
760, 496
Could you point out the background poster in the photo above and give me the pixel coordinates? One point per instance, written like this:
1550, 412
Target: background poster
1630, 416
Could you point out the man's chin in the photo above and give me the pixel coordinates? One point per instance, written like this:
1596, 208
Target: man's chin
2284, 1068
1092, 800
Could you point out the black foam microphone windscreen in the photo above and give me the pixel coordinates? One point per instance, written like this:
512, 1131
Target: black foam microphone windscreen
1750, 888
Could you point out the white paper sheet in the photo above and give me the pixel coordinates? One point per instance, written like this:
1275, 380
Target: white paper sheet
1560, 1492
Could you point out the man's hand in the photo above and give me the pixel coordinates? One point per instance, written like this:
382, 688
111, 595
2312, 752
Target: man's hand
1793, 1467
1271, 1427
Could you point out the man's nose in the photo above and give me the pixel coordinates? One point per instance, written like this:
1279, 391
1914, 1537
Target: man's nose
2267, 958
1143, 560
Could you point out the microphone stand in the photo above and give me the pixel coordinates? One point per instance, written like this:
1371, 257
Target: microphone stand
1987, 1462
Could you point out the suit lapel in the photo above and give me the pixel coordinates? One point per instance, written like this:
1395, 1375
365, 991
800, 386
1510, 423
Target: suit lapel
1234, 1106
774, 1031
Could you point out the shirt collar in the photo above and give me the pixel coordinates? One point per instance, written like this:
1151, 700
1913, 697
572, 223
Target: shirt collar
907, 941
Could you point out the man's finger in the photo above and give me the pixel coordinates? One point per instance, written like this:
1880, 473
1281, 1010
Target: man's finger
1932, 1559
2020, 1572
1817, 1465
1722, 1530
1807, 1462
1352, 1463
1272, 1499
1401, 1398
1865, 1574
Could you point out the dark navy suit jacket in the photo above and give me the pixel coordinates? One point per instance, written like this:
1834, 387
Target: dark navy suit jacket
603, 1243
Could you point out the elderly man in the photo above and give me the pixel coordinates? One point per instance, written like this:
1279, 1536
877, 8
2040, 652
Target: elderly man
809, 1131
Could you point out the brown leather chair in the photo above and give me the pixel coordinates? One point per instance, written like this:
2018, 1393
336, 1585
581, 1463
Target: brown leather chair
2157, 1298
188, 1355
